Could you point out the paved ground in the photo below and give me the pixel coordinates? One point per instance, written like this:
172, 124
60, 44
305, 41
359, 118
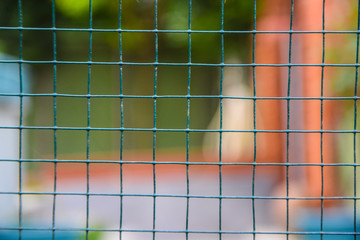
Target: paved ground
104, 211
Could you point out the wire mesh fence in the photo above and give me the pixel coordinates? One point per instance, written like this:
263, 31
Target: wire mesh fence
179, 120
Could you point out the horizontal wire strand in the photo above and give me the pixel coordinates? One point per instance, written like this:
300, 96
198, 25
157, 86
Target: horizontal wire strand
176, 31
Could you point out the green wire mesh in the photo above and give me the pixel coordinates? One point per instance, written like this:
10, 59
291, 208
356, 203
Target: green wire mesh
23, 231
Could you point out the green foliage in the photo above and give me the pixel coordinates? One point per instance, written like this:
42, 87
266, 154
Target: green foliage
78, 8
92, 235
342, 49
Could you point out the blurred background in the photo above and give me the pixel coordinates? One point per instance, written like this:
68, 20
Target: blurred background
138, 47
105, 80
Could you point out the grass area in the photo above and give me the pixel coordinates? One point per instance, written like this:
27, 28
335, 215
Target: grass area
105, 112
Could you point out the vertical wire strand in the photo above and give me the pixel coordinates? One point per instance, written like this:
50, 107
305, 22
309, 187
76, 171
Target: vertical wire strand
322, 125
221, 115
188, 126
355, 121
254, 125
154, 132
121, 121
88, 124
288, 121
21, 115
54, 120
